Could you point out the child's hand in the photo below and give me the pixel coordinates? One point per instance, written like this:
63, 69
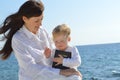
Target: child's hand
47, 52
59, 60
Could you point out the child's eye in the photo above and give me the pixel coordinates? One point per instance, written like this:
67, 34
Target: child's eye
56, 41
62, 41
37, 21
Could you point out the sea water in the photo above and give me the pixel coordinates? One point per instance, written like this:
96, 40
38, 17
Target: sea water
99, 62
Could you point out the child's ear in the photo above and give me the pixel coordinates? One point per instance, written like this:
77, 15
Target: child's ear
69, 38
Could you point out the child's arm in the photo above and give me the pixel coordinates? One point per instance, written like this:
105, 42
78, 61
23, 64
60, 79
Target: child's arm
59, 59
47, 52
74, 61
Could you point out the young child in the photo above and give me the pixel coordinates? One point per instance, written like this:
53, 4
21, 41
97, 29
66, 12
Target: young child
61, 38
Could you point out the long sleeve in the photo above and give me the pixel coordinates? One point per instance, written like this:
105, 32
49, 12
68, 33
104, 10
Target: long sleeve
75, 60
26, 60
30, 57
49, 45
29, 51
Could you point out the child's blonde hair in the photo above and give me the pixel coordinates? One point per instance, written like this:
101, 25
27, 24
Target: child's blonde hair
61, 29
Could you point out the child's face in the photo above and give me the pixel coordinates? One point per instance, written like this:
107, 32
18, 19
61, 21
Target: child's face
61, 42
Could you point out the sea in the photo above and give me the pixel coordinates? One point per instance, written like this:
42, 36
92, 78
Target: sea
99, 62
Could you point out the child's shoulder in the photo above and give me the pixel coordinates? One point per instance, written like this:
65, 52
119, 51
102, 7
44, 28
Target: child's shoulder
72, 47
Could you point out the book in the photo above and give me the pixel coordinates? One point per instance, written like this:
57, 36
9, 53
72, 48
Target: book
65, 55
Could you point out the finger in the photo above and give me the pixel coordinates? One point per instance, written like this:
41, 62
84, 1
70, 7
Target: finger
57, 64
55, 60
45, 48
72, 70
79, 74
60, 56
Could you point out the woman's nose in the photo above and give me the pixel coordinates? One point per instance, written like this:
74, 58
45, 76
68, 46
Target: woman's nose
39, 24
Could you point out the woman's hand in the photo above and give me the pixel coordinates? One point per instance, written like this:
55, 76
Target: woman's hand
47, 52
69, 72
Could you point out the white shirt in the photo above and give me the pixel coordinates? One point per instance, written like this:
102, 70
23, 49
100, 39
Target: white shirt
74, 61
29, 51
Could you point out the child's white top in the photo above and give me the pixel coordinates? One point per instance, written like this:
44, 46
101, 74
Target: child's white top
75, 59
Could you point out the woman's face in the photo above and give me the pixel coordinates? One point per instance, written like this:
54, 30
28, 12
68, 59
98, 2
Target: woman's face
33, 23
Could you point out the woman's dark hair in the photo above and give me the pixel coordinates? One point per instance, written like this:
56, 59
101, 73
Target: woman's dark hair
14, 22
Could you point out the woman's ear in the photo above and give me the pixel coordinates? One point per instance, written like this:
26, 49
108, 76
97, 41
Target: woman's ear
24, 18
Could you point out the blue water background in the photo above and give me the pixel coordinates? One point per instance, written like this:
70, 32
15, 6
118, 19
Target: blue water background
98, 62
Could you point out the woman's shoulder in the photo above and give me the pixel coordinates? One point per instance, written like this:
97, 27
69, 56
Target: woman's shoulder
18, 35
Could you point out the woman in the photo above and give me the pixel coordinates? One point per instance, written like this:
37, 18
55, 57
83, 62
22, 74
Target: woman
28, 40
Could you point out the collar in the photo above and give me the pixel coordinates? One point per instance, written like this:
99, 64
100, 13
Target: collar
28, 33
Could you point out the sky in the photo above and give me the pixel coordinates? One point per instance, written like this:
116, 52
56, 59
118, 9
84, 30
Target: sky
91, 21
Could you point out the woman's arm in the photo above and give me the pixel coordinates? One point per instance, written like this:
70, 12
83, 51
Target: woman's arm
27, 62
31, 68
69, 72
